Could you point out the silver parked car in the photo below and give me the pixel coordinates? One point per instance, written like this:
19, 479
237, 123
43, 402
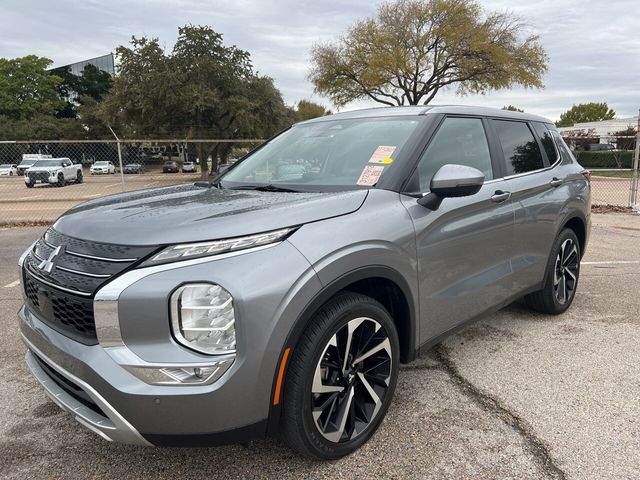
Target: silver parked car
281, 298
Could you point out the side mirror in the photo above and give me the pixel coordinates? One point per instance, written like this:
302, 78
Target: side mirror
452, 181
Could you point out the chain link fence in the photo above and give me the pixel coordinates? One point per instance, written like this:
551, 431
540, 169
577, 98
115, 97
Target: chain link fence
109, 167
101, 167
613, 165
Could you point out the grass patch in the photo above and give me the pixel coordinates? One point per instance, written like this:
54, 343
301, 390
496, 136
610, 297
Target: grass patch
612, 173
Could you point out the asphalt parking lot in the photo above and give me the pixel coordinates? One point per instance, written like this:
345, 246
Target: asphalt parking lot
515, 395
47, 202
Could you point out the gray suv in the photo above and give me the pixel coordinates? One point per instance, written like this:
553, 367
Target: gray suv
280, 298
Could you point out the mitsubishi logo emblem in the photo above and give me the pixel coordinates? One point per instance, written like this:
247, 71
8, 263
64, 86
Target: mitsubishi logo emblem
46, 266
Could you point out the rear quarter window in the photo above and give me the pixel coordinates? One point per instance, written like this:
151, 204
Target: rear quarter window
521, 150
547, 142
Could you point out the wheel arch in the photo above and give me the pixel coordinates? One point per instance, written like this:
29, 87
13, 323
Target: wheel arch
579, 226
382, 283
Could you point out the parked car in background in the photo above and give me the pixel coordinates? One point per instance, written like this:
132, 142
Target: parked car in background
223, 167
99, 168
600, 147
29, 159
8, 170
281, 301
133, 168
189, 167
170, 167
54, 171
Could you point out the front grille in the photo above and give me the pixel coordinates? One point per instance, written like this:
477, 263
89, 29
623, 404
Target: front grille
63, 296
42, 176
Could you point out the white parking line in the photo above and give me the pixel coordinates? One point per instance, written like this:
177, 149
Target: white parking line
12, 284
613, 262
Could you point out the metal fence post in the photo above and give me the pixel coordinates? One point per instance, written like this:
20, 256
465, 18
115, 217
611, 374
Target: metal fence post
633, 194
119, 157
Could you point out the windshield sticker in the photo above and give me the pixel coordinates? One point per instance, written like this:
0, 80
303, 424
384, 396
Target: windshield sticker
370, 175
382, 154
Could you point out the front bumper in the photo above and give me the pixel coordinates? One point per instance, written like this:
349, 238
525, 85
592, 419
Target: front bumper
234, 408
95, 413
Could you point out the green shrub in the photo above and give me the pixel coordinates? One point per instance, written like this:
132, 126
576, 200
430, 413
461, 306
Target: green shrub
621, 159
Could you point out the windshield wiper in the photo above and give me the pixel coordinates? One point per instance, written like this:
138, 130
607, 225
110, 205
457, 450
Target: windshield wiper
266, 188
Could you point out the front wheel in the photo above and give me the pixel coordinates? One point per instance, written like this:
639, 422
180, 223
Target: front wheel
60, 182
341, 378
29, 184
561, 282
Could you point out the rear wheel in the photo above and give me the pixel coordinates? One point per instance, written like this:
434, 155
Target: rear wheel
341, 378
561, 282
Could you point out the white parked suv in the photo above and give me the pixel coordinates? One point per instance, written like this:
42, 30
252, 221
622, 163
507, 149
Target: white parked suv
99, 168
57, 171
8, 170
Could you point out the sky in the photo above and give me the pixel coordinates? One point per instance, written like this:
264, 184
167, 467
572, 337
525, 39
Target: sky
593, 45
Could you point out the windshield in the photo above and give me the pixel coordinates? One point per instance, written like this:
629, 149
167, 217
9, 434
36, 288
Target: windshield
101, 164
27, 162
6, 165
334, 153
48, 163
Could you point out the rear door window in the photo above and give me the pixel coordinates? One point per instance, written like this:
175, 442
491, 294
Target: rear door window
460, 141
521, 150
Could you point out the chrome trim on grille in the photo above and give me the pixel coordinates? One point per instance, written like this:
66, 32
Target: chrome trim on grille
91, 257
57, 287
103, 259
77, 272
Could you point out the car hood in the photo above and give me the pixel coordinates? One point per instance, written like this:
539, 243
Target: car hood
189, 213
44, 169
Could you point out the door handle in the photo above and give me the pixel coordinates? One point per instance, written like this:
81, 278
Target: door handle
555, 182
499, 196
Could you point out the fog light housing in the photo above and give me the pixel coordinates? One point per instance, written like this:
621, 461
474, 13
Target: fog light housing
181, 375
203, 319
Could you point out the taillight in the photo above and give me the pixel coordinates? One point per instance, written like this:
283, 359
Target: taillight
586, 174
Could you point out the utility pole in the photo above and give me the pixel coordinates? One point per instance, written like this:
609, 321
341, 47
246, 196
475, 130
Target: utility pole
119, 156
633, 195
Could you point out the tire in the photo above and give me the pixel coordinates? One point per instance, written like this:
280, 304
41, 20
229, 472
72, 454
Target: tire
60, 182
561, 281
324, 341
11, 174
79, 178
29, 185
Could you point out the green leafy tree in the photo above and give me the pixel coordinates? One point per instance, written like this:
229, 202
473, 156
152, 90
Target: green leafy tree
413, 49
306, 110
26, 88
586, 112
201, 89
74, 90
511, 108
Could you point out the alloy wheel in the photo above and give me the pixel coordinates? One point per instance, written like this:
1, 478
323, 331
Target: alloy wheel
565, 277
351, 380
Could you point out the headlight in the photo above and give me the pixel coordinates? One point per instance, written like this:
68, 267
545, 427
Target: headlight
202, 318
204, 249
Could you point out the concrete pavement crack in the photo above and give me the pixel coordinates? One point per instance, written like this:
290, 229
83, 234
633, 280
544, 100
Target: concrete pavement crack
536, 446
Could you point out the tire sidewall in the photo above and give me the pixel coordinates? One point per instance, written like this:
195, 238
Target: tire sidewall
318, 443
